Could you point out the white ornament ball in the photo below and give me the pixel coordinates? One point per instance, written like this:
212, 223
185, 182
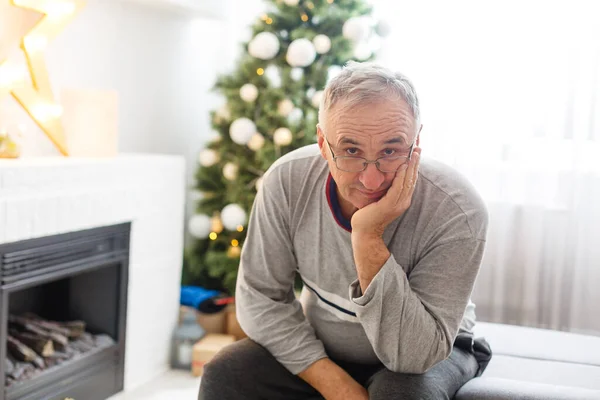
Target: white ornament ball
273, 75
257, 142
297, 74
291, 2
230, 171
316, 99
199, 226
241, 130
258, 184
208, 158
322, 44
355, 29
249, 92
284, 107
232, 216
282, 137
295, 116
196, 195
265, 46
333, 71
362, 51
383, 28
301, 53
223, 113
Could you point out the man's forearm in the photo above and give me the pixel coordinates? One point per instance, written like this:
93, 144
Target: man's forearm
370, 253
332, 381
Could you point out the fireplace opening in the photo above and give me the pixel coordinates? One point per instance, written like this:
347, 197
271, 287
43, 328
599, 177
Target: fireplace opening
63, 315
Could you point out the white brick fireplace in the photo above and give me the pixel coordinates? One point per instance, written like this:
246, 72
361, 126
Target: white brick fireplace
47, 196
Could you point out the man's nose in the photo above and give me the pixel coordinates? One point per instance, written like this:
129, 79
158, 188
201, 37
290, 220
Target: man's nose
371, 178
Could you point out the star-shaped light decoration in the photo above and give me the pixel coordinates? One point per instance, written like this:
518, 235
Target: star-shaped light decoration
36, 96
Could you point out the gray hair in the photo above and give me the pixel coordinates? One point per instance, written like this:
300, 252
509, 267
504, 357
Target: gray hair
360, 83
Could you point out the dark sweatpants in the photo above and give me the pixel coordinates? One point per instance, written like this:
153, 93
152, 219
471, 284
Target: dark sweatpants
246, 370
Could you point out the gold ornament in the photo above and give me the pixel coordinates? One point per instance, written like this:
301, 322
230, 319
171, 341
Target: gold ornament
234, 252
44, 21
215, 223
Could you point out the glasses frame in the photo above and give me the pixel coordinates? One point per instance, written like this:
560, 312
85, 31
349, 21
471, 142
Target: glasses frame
367, 162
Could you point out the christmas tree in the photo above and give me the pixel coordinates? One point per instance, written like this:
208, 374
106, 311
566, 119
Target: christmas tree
272, 102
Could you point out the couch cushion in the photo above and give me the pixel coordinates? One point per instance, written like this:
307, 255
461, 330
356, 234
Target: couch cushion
540, 343
501, 389
540, 371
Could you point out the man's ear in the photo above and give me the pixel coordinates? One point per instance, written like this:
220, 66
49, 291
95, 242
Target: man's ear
419, 135
320, 141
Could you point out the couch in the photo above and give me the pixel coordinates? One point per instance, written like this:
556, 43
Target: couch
536, 364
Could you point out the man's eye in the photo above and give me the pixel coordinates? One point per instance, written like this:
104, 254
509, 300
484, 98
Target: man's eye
389, 152
352, 151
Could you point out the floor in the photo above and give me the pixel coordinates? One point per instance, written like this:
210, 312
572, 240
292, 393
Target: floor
172, 385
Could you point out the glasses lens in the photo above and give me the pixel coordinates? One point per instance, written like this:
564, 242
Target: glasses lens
350, 164
391, 164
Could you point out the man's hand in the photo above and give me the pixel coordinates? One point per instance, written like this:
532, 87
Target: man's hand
374, 218
369, 223
333, 382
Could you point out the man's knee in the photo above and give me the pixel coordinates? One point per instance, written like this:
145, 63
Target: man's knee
390, 385
229, 369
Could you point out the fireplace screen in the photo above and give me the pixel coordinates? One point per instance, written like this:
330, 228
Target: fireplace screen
63, 315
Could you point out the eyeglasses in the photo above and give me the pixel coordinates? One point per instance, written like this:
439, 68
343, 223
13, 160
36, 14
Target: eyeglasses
359, 164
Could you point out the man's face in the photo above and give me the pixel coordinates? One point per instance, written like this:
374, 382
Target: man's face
382, 129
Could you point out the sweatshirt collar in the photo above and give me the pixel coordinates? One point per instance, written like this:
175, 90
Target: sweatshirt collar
334, 204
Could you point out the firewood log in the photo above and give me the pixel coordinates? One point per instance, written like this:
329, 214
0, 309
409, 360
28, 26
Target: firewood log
59, 341
19, 350
71, 329
41, 345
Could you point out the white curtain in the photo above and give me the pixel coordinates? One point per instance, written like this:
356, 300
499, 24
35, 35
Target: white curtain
510, 96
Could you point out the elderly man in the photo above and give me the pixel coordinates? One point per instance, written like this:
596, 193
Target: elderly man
388, 247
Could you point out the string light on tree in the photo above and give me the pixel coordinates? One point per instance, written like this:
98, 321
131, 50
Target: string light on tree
242, 130
291, 2
248, 92
282, 137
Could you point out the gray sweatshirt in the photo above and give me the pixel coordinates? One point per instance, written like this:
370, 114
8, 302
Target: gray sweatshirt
414, 307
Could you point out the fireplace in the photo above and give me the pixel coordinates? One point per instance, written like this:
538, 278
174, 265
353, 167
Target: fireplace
78, 276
